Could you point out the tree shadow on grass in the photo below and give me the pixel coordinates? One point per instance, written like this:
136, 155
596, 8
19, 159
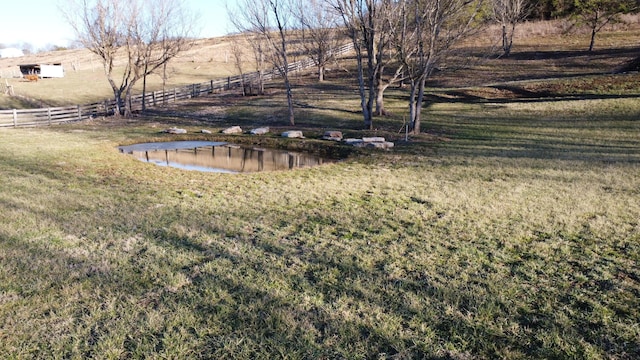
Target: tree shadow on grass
490, 132
277, 314
567, 54
249, 301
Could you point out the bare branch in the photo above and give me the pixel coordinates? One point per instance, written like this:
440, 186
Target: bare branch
147, 34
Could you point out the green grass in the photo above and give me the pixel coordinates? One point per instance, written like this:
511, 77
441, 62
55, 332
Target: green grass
509, 230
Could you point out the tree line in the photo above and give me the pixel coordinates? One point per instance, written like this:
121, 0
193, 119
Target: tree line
395, 41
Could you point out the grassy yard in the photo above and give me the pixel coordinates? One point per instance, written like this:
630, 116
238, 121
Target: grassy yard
508, 230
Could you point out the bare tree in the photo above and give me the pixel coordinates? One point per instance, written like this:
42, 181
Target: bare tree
508, 13
258, 46
389, 69
354, 17
146, 34
370, 24
596, 14
237, 51
320, 33
270, 21
426, 37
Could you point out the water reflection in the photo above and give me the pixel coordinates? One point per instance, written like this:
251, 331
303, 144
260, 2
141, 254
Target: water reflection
220, 157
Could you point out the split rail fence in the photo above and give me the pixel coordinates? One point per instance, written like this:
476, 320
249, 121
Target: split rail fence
56, 115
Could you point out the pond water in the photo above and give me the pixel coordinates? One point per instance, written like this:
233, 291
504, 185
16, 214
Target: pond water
223, 157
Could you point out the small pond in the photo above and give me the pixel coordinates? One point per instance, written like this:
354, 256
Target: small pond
223, 157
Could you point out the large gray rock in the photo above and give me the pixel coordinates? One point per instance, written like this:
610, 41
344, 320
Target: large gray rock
174, 130
380, 145
332, 135
372, 142
376, 139
260, 131
293, 134
232, 130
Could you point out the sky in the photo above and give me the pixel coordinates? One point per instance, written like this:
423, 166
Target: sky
43, 24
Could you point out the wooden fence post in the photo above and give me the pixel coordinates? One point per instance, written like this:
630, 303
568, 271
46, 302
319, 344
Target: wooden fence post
49, 115
15, 118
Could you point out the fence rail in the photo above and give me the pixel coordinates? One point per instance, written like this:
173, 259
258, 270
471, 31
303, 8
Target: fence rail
56, 115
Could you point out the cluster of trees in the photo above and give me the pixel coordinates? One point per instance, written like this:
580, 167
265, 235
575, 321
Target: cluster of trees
397, 40
394, 40
278, 29
146, 33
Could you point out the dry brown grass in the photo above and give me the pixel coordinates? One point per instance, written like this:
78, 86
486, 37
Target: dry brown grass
85, 82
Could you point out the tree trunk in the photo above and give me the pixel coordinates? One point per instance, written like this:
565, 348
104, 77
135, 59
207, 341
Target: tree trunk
594, 30
320, 73
261, 84
164, 83
287, 84
127, 103
412, 105
505, 42
510, 40
419, 100
416, 98
361, 89
144, 90
380, 110
507, 39
368, 122
372, 73
117, 97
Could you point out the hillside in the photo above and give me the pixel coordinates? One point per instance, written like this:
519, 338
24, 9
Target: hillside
541, 50
85, 82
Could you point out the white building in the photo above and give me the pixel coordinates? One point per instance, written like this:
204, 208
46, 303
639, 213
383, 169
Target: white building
43, 70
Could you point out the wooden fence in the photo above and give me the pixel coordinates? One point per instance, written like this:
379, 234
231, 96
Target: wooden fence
55, 115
